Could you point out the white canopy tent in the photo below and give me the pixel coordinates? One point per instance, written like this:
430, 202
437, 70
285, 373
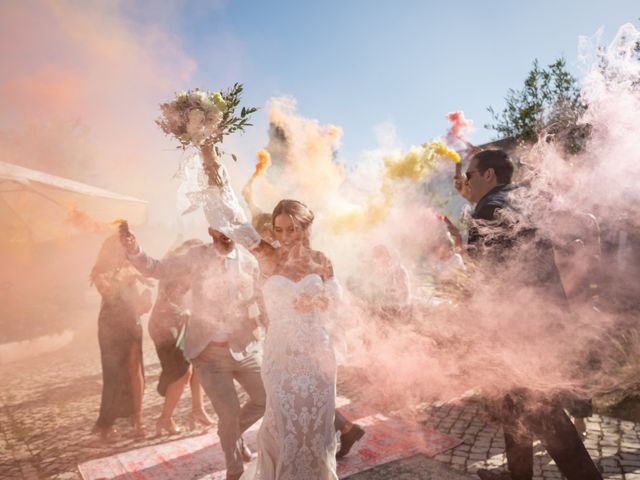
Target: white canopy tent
36, 206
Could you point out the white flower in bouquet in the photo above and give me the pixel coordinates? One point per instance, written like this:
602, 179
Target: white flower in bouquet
200, 119
196, 130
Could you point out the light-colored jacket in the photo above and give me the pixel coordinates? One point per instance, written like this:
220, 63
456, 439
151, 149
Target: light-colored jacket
227, 304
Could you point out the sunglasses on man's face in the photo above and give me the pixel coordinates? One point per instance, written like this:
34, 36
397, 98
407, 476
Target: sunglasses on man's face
470, 173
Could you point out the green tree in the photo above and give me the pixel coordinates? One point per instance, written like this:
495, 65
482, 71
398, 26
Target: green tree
548, 102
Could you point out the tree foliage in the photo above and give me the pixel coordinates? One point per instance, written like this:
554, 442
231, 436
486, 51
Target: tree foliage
549, 101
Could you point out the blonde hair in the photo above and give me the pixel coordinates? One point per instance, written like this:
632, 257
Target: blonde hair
301, 214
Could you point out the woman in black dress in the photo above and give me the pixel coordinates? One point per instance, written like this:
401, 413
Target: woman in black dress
168, 320
120, 338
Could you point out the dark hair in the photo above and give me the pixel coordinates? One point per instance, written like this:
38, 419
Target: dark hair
499, 161
299, 212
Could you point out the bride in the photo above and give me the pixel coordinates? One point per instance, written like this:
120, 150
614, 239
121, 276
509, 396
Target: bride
297, 437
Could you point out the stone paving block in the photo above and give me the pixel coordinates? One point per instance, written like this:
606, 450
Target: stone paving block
477, 457
464, 447
552, 475
418, 467
608, 452
630, 464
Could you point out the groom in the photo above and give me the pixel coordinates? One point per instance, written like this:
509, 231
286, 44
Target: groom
221, 339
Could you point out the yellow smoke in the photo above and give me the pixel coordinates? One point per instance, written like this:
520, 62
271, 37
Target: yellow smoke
363, 218
414, 165
419, 161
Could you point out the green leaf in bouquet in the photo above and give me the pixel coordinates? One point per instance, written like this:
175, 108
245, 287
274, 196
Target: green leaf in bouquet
235, 158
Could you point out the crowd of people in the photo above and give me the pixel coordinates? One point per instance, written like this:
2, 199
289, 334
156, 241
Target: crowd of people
263, 314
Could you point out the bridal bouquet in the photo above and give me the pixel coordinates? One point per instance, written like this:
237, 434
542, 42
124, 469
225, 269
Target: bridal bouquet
200, 118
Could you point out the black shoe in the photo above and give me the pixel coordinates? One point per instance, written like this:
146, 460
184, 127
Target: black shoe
485, 474
348, 439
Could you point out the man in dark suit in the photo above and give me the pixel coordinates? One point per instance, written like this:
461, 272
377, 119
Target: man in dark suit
501, 237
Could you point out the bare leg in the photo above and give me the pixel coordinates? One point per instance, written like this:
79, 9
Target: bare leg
196, 392
171, 399
198, 413
172, 396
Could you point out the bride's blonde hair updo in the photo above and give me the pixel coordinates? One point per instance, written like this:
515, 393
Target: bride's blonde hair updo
301, 215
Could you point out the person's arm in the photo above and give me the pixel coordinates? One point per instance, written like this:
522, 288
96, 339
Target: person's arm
262, 318
151, 267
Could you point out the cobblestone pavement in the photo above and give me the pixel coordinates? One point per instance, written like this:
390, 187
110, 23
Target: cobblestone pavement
48, 405
614, 444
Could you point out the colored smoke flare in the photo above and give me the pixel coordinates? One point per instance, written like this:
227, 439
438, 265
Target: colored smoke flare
415, 165
443, 151
364, 217
264, 161
418, 161
459, 125
83, 221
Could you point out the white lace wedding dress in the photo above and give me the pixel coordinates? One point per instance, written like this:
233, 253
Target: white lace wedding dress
297, 439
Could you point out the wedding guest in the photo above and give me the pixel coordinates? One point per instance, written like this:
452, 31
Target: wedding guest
120, 338
496, 244
222, 337
167, 324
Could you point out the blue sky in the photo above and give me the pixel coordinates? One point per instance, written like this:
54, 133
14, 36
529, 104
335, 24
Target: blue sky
360, 63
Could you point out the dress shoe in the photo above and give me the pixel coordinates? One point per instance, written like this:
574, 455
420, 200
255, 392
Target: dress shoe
166, 424
200, 417
347, 439
485, 474
581, 426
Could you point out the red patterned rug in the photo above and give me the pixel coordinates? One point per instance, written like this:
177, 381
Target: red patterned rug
200, 457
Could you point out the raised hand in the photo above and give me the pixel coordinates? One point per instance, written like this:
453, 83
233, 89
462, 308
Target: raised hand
127, 239
461, 186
